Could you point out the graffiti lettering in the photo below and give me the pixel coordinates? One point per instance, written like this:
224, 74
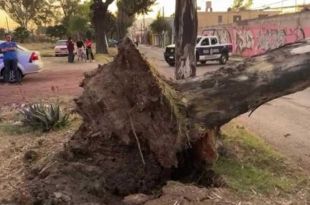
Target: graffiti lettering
244, 40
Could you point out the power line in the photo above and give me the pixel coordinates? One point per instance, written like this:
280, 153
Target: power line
270, 4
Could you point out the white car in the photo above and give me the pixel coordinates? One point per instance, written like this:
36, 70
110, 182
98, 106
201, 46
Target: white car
28, 61
61, 48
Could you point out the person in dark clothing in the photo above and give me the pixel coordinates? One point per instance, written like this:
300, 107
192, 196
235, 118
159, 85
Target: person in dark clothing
89, 52
81, 55
70, 47
9, 50
80, 44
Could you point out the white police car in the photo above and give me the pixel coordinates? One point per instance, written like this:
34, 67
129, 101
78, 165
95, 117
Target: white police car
28, 61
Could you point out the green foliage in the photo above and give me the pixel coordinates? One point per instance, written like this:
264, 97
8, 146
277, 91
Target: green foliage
44, 117
23, 11
21, 34
13, 129
78, 25
69, 7
242, 4
251, 165
160, 24
132, 7
58, 31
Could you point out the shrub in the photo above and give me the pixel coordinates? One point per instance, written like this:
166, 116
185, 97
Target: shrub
21, 34
44, 117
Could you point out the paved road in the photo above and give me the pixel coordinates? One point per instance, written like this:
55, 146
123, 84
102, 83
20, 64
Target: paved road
284, 122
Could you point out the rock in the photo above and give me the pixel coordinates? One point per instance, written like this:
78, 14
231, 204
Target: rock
137, 199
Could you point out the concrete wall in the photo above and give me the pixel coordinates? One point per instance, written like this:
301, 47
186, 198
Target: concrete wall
206, 19
253, 37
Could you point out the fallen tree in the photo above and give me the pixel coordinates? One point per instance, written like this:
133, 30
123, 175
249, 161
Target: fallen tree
140, 130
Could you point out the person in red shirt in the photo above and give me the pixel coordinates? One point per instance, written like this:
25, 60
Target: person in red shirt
89, 53
70, 47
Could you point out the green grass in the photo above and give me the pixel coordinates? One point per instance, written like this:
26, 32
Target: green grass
252, 165
14, 129
45, 49
106, 58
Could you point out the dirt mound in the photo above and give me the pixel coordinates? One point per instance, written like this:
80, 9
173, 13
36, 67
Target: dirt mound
128, 142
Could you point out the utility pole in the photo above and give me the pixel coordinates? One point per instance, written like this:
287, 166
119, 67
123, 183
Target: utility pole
144, 29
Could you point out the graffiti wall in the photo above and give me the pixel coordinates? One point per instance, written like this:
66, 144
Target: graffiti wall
254, 37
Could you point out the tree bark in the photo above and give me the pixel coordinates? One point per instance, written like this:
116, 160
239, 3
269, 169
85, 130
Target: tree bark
216, 98
100, 10
186, 34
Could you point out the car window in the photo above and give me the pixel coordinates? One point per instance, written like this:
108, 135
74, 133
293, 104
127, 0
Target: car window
213, 41
205, 42
61, 43
198, 40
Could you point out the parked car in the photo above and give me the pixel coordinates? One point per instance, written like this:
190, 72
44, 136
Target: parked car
61, 48
28, 61
208, 48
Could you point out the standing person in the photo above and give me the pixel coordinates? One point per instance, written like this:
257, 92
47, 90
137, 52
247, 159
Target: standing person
9, 50
70, 47
80, 50
89, 52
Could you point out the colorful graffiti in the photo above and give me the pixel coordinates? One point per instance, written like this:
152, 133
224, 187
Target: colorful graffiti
261, 36
244, 40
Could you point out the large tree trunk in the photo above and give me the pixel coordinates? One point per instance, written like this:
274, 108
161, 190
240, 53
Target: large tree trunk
100, 10
186, 33
140, 130
101, 45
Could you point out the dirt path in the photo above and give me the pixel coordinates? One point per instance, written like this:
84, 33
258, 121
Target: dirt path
57, 78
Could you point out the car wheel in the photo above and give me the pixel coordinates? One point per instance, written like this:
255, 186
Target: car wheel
203, 62
12, 77
223, 59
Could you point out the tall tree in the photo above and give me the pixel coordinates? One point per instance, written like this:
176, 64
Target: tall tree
186, 33
160, 24
69, 7
23, 11
47, 14
100, 12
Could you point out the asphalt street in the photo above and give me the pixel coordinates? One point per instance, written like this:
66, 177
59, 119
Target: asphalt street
284, 123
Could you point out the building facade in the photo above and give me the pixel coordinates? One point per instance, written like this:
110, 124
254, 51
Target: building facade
209, 18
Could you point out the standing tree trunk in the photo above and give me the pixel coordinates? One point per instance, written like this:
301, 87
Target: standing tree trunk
100, 10
186, 33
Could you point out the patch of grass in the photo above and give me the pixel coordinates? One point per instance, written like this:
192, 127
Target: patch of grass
45, 49
252, 165
14, 129
106, 58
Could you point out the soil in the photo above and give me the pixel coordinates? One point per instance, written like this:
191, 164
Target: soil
124, 145
58, 78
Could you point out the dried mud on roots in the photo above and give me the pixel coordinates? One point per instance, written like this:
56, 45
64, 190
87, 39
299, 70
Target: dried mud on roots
128, 142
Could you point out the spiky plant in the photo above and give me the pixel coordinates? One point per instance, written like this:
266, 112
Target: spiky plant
44, 117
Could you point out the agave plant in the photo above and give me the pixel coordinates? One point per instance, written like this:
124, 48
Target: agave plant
44, 117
